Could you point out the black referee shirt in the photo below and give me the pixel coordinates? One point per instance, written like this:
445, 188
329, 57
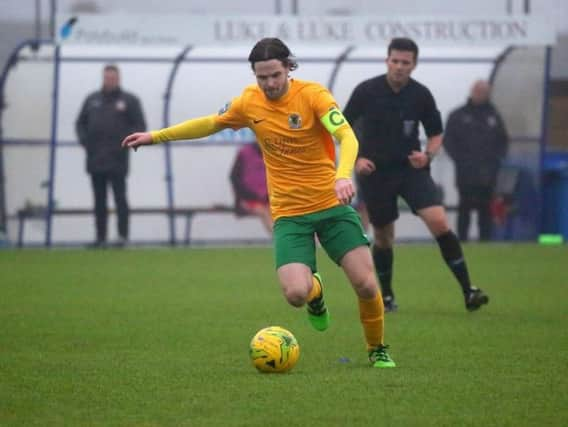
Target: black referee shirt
386, 122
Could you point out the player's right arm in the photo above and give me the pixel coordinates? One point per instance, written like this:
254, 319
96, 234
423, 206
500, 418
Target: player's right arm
190, 129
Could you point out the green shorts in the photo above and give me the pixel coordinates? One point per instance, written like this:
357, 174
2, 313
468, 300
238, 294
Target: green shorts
338, 229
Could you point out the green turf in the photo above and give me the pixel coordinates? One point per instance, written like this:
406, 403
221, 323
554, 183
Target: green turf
160, 338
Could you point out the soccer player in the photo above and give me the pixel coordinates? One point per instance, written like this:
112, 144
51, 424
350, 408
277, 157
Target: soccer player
388, 109
294, 122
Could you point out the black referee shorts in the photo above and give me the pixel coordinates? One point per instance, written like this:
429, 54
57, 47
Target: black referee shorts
381, 189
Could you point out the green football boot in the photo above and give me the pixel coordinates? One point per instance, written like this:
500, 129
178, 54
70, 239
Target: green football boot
379, 357
318, 314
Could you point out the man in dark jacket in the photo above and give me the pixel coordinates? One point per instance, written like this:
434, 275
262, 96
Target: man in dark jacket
477, 141
107, 116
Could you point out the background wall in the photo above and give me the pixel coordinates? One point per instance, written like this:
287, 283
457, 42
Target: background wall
201, 171
17, 17
30, 86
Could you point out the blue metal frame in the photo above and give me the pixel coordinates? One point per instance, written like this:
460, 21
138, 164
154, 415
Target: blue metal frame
544, 132
52, 147
12, 61
500, 59
340, 59
167, 147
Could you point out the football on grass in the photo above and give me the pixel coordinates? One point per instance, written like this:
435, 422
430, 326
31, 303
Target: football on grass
274, 349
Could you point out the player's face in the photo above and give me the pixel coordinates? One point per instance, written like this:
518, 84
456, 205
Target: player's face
272, 78
400, 64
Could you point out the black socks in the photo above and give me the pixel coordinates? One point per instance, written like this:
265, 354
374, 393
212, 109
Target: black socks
452, 253
383, 259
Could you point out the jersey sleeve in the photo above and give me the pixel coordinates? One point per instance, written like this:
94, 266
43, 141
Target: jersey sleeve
332, 119
323, 103
231, 115
431, 118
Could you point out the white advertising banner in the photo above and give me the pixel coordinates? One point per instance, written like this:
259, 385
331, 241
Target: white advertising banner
181, 30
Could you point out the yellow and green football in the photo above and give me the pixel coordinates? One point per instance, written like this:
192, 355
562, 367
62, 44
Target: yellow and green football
274, 349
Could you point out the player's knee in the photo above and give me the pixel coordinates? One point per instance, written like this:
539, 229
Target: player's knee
366, 285
295, 295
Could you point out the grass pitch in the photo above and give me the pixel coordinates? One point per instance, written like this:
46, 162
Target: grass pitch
160, 338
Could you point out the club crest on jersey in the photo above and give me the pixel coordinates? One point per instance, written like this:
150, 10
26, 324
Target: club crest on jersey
224, 108
295, 121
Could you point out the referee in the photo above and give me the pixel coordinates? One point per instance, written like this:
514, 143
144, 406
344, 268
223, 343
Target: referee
387, 110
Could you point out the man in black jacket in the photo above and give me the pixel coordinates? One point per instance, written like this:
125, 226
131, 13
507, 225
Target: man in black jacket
388, 110
477, 141
107, 116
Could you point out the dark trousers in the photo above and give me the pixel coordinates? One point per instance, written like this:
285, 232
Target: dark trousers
100, 183
478, 199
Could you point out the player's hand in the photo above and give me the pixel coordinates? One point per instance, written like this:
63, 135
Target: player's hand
344, 190
137, 139
418, 159
364, 166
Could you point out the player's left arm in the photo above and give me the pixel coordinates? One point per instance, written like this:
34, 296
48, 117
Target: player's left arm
337, 125
190, 129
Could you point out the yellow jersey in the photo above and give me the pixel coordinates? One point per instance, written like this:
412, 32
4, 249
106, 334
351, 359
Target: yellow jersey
298, 151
